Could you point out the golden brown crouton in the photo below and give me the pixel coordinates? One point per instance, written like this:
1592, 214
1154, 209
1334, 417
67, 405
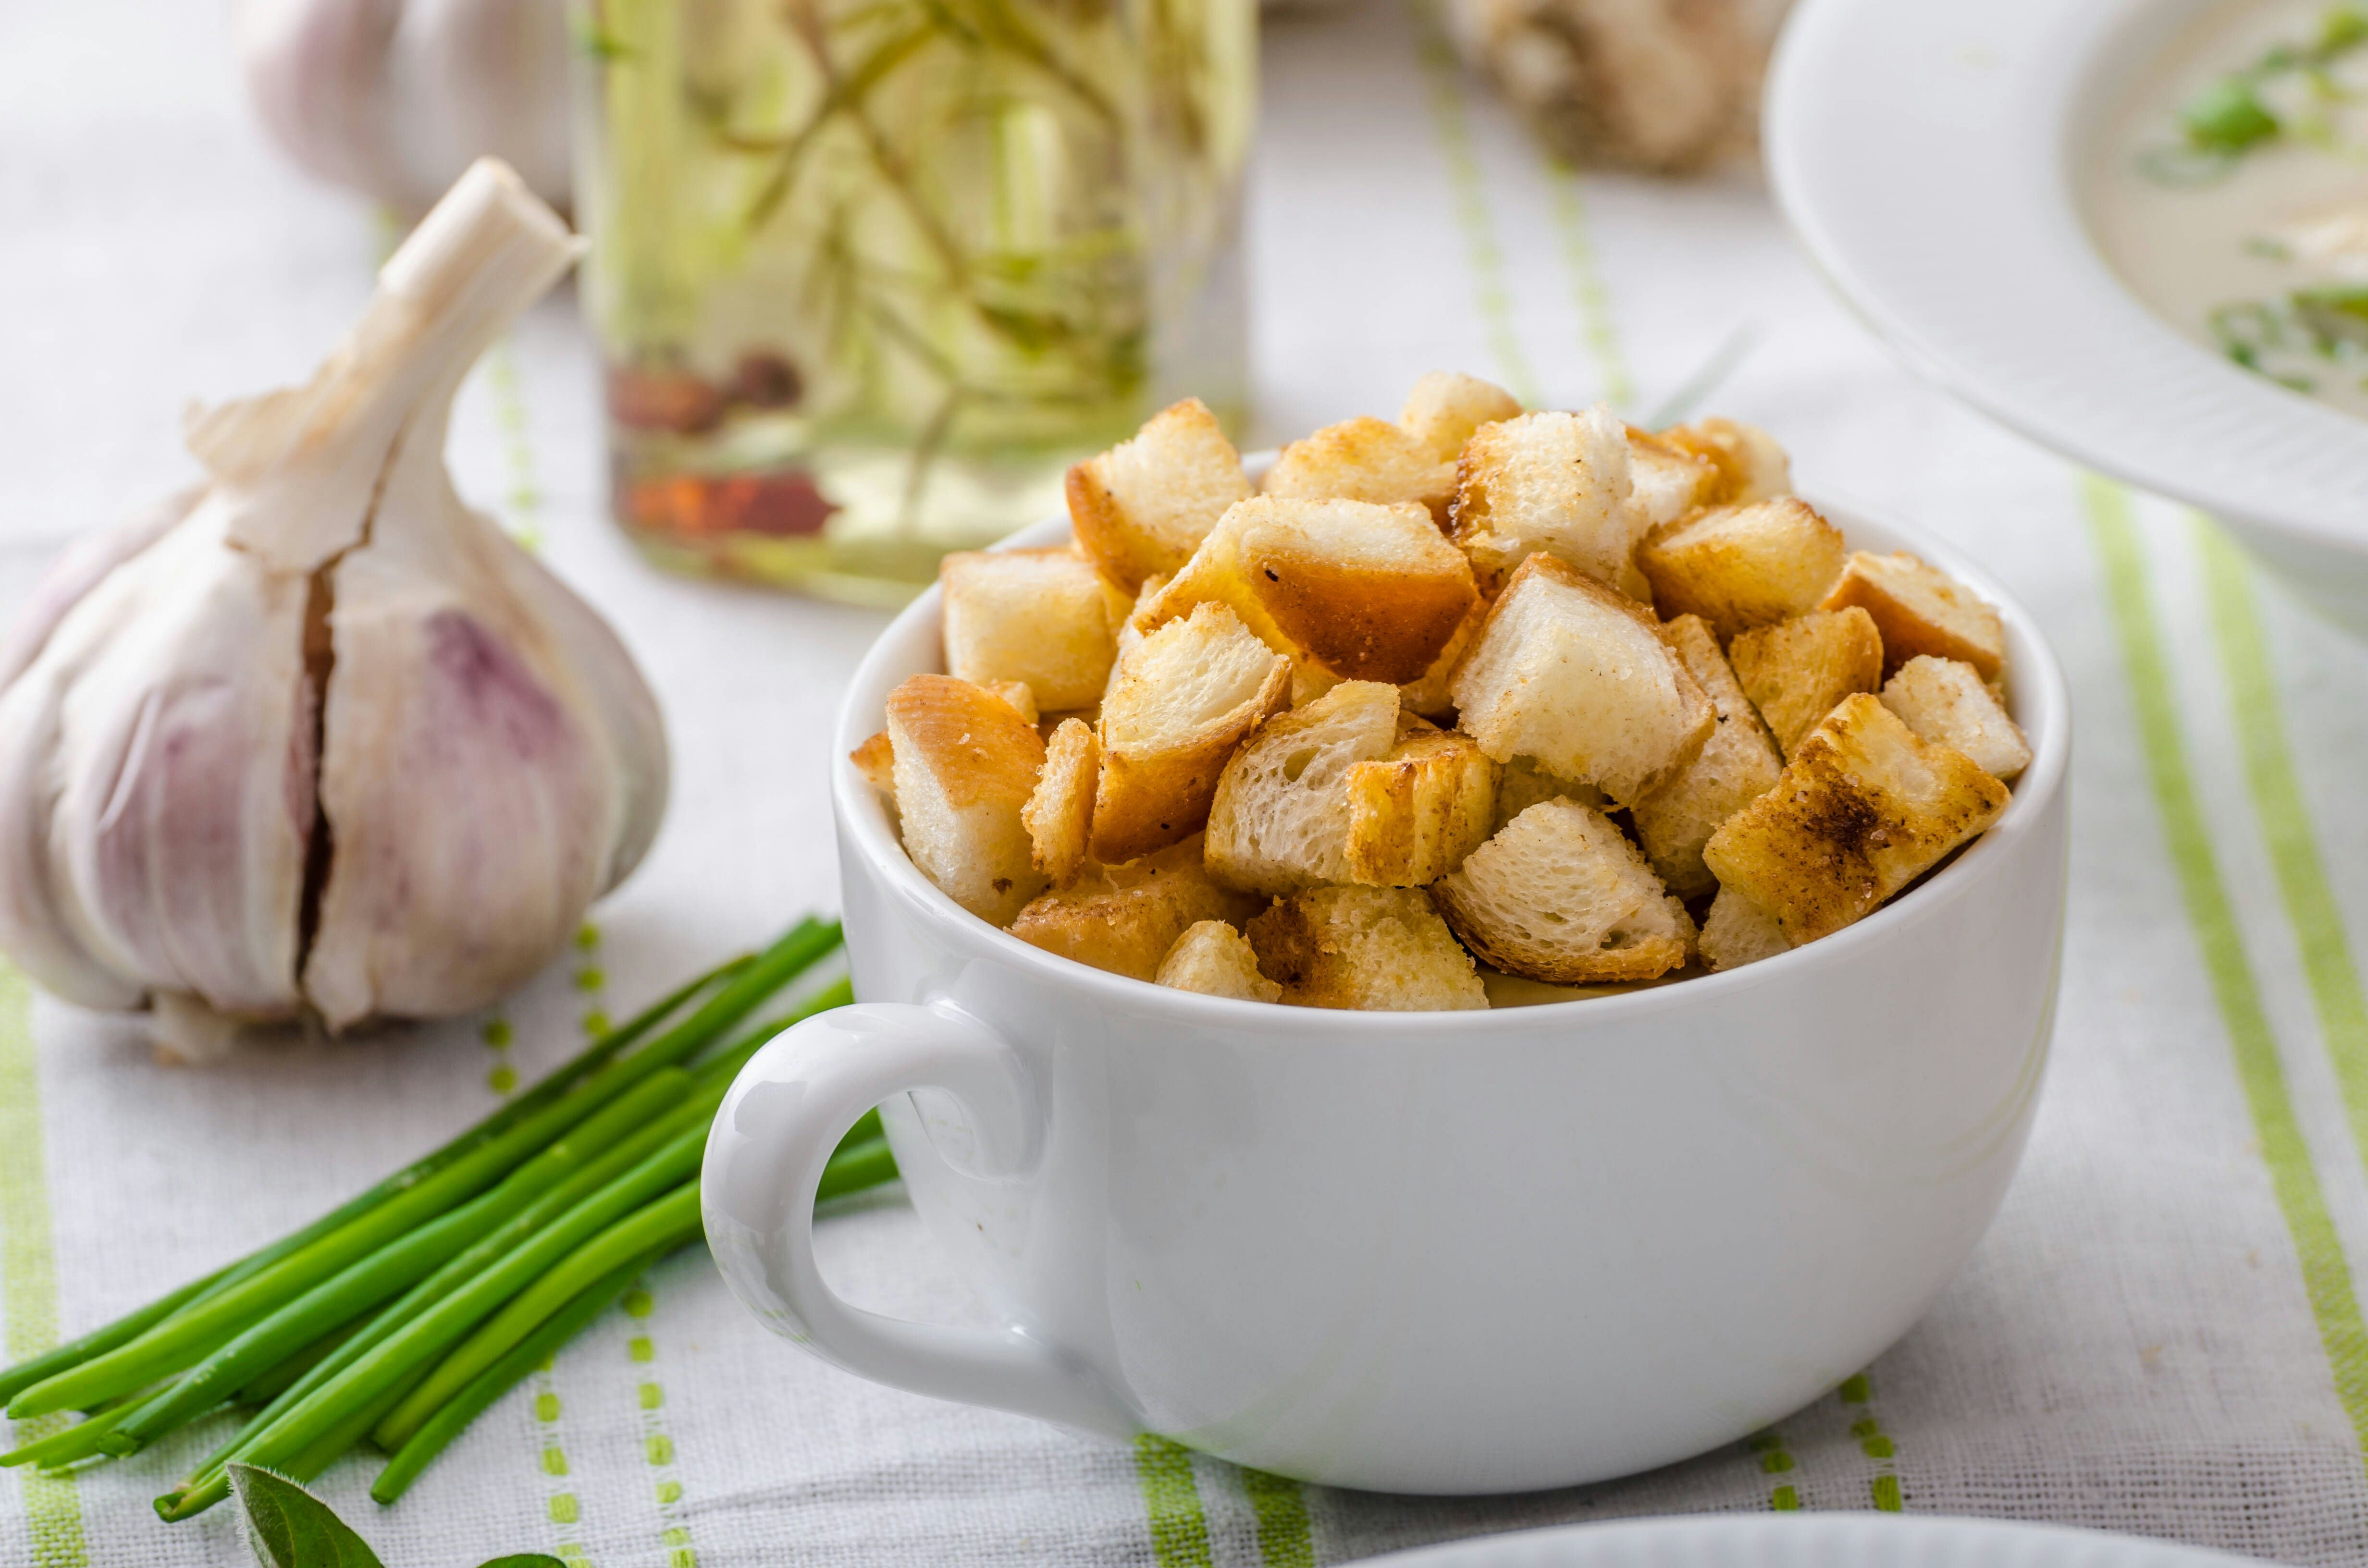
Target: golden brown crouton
1445, 408
1555, 483
1797, 670
1214, 960
1145, 506
1864, 809
1432, 694
1060, 815
1738, 932
1919, 609
1737, 764
1415, 814
1019, 694
965, 764
1125, 919
1044, 617
1364, 460
1561, 895
1666, 482
1738, 567
1367, 592
1377, 950
1578, 677
876, 759
1751, 465
1184, 698
1945, 701
1283, 813
1526, 781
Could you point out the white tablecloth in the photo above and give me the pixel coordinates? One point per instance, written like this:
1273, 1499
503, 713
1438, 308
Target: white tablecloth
2161, 1333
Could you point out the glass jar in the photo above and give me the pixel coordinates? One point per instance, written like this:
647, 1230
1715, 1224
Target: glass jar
867, 275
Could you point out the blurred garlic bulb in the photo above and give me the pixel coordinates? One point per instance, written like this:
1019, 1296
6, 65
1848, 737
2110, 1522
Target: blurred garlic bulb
313, 739
396, 98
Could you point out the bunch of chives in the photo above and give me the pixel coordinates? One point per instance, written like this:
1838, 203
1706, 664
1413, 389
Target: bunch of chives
402, 1316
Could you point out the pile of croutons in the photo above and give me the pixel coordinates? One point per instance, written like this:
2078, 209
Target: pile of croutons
1541, 689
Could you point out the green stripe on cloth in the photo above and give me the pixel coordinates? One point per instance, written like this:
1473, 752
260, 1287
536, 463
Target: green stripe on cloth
1171, 1499
1280, 1509
2325, 1275
1597, 334
29, 1269
2292, 841
1443, 79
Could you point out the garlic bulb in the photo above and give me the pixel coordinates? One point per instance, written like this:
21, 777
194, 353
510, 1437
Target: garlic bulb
315, 740
394, 98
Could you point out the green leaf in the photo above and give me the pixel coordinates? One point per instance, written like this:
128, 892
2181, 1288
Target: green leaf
2228, 117
525, 1560
290, 1527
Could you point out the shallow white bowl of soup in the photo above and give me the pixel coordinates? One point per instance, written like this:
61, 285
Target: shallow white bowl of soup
1992, 189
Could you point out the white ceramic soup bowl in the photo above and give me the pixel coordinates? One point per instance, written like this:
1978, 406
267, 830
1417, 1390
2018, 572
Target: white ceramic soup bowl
1935, 162
1411, 1252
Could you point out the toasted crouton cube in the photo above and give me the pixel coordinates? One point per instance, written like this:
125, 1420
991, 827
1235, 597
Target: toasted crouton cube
965, 764
1282, 811
1214, 959
1556, 483
1750, 466
1666, 482
876, 760
1431, 694
1864, 809
1797, 670
1125, 919
1364, 460
1738, 567
1738, 932
1580, 677
1445, 408
1561, 895
1019, 694
1920, 609
1376, 949
1365, 591
1184, 698
1044, 617
1946, 700
1737, 764
1415, 814
1060, 815
1525, 782
1145, 506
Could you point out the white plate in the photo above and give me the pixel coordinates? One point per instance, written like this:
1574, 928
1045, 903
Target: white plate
1812, 1541
1928, 156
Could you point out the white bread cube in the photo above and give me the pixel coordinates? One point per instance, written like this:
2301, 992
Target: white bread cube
1738, 932
1578, 677
1282, 811
1445, 408
1145, 506
876, 760
1750, 465
1561, 895
1125, 919
965, 764
1059, 815
1947, 701
1864, 809
1366, 592
1182, 700
1214, 960
1921, 611
1738, 567
1375, 949
1525, 782
1555, 483
1797, 670
1666, 483
1044, 617
1364, 460
1415, 814
1736, 764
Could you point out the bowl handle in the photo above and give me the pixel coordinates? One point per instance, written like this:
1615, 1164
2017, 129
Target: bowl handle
785, 1114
